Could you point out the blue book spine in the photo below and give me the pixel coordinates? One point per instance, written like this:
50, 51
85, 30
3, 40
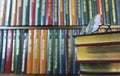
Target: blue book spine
7, 23
38, 12
1, 45
43, 11
79, 14
118, 11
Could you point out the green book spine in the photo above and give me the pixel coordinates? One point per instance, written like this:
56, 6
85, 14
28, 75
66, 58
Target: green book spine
50, 52
106, 11
90, 9
66, 13
94, 6
113, 18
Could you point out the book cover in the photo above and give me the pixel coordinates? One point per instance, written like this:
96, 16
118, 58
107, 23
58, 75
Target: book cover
43, 52
31, 37
7, 23
48, 12
72, 10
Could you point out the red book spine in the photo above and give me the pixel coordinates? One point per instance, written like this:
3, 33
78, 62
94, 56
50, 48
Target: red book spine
48, 12
9, 52
100, 10
32, 12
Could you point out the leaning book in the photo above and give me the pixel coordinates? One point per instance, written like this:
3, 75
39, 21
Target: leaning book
102, 47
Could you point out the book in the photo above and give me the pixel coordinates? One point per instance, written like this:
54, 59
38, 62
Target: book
43, 52
113, 15
72, 10
97, 39
90, 9
49, 12
36, 52
100, 10
2, 14
31, 37
5, 32
117, 11
100, 67
66, 13
97, 53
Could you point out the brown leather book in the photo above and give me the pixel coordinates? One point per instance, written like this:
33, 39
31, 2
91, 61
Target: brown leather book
72, 10
2, 10
36, 52
43, 50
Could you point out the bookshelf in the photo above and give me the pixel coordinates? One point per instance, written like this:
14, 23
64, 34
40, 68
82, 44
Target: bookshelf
29, 26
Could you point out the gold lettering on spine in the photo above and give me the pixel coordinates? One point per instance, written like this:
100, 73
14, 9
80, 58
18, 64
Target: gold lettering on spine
66, 7
113, 10
84, 5
55, 6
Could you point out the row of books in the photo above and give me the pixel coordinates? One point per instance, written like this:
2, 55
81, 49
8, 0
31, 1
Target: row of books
37, 52
58, 12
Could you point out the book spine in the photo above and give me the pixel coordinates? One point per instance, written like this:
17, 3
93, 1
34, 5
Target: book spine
72, 11
90, 9
1, 45
2, 14
66, 13
14, 13
38, 12
31, 37
118, 11
94, 6
61, 12
100, 10
36, 52
55, 13
79, 14
48, 12
113, 18
106, 11
43, 51
43, 12
25, 15
50, 51
9, 52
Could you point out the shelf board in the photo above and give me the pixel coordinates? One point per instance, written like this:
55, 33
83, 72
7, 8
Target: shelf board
49, 27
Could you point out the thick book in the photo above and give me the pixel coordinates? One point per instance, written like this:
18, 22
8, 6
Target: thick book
31, 37
100, 10
7, 23
72, 10
98, 53
97, 39
43, 52
100, 68
48, 12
